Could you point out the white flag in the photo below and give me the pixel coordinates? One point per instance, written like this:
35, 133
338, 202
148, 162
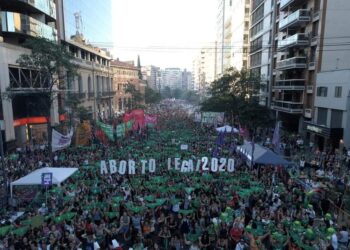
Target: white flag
60, 141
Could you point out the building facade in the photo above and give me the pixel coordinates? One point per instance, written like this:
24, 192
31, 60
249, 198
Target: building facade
93, 85
172, 78
330, 124
204, 68
23, 117
262, 35
232, 36
151, 75
125, 73
298, 42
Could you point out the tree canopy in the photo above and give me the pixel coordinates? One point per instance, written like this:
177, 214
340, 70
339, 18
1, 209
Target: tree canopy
236, 94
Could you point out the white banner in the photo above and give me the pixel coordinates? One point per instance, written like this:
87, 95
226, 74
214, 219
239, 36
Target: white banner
60, 141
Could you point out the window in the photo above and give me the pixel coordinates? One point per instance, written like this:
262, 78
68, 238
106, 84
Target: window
257, 28
322, 116
89, 85
322, 91
337, 92
80, 84
336, 118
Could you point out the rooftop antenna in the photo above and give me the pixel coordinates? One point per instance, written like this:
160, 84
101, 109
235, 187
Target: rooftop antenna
78, 23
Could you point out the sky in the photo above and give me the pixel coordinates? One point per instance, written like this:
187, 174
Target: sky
165, 33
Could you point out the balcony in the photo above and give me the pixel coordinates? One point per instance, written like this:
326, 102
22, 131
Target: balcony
298, 62
291, 84
107, 94
288, 107
297, 40
308, 113
46, 7
17, 23
91, 94
289, 3
310, 89
296, 19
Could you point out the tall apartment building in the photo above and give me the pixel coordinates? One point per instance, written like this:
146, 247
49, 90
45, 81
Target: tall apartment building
172, 77
297, 43
310, 69
23, 116
204, 68
186, 80
151, 75
330, 125
261, 44
232, 35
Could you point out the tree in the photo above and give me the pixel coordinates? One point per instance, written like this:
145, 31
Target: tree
52, 63
151, 96
236, 93
136, 95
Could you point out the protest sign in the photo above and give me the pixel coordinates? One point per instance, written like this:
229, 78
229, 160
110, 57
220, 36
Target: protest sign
212, 117
184, 147
60, 141
184, 166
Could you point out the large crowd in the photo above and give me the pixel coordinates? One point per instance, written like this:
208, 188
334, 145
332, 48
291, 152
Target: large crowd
260, 207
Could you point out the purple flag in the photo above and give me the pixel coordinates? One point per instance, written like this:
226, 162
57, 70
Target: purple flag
276, 140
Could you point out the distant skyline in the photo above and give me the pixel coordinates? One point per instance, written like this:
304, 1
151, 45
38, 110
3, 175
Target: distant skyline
165, 33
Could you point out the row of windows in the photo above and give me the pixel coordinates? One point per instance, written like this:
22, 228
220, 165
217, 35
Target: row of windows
85, 55
257, 28
103, 84
258, 14
322, 91
336, 117
256, 44
255, 59
127, 72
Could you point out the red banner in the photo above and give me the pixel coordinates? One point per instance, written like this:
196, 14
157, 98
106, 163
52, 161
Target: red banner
138, 115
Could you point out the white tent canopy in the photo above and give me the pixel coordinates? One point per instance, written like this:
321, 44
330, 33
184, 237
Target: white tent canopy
59, 175
227, 129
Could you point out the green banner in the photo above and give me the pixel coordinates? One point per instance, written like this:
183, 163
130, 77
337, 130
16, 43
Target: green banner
129, 125
107, 129
120, 130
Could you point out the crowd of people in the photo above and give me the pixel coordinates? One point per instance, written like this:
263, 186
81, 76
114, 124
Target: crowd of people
260, 207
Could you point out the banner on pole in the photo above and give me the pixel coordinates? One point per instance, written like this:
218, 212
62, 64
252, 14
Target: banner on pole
60, 141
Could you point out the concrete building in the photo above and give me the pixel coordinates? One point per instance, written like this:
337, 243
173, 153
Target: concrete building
204, 68
232, 35
151, 75
23, 117
298, 41
93, 84
330, 125
311, 70
186, 80
125, 73
172, 78
262, 30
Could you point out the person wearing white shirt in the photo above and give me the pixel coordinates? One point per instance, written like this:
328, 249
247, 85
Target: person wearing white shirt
334, 241
343, 237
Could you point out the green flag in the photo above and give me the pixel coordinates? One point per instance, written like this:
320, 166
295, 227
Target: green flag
107, 129
120, 130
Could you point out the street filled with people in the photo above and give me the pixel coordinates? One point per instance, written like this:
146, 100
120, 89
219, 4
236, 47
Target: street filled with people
170, 205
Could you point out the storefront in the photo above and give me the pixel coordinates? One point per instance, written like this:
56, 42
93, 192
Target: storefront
324, 138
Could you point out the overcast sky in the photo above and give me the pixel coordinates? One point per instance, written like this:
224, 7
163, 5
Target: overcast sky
165, 33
